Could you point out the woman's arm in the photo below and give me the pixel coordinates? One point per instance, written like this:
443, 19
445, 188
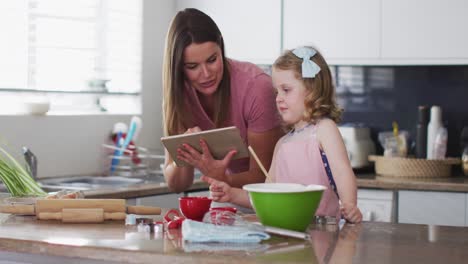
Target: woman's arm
178, 179
332, 143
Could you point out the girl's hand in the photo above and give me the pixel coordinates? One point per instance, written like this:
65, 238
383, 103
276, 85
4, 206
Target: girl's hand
204, 161
351, 213
219, 191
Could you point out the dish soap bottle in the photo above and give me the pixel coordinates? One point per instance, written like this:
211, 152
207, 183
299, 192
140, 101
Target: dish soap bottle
434, 124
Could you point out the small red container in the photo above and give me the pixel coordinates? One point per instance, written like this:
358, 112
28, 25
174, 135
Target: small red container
194, 207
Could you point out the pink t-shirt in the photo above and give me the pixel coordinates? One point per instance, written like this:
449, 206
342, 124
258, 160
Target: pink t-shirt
252, 107
298, 160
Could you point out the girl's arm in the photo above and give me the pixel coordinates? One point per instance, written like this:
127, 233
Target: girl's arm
332, 144
223, 193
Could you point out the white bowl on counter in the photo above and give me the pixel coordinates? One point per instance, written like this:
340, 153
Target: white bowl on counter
36, 107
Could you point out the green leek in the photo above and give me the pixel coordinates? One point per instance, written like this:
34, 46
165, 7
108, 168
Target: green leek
17, 180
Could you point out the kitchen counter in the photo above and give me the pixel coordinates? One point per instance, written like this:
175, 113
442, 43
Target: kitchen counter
443, 184
115, 242
369, 180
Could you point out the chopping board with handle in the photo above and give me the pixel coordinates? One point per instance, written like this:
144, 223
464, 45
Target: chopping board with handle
57, 206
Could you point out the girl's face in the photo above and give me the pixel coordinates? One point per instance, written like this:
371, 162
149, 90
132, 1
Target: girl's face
203, 66
290, 96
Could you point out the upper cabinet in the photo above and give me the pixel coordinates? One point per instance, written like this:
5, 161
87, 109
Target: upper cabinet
343, 30
380, 32
422, 31
347, 32
251, 29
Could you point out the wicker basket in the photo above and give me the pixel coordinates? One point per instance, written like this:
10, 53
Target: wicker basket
412, 167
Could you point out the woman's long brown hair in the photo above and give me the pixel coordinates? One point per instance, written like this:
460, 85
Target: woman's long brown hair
190, 26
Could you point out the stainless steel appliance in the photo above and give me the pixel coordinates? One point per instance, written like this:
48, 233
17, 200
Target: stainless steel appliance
359, 144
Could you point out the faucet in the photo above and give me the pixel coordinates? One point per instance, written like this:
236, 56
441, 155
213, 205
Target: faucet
31, 161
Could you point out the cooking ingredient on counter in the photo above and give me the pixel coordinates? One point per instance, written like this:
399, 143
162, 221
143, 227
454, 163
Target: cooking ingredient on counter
400, 140
17, 180
66, 194
394, 143
434, 124
421, 132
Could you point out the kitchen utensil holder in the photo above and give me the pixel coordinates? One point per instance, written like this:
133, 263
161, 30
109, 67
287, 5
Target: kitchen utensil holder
413, 167
149, 162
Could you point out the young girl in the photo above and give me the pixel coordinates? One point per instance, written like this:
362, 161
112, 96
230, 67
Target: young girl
313, 151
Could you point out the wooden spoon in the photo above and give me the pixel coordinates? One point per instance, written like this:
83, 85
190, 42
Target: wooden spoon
259, 162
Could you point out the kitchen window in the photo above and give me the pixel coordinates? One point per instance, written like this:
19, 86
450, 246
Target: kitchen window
81, 56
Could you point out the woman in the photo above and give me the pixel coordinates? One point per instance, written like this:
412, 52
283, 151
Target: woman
205, 90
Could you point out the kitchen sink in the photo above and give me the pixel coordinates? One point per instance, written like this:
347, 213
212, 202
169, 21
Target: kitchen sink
89, 182
82, 183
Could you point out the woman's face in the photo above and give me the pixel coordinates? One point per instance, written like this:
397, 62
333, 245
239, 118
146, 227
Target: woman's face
291, 93
203, 67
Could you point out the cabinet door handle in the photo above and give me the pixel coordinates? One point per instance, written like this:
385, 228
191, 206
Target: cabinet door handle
369, 216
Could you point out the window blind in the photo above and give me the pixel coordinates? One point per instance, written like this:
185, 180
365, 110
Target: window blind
71, 46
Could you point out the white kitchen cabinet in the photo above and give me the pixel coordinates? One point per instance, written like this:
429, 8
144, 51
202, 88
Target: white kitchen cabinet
376, 205
466, 210
380, 32
251, 29
344, 31
422, 31
432, 208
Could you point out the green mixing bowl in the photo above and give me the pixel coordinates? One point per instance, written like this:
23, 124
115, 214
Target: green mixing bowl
285, 205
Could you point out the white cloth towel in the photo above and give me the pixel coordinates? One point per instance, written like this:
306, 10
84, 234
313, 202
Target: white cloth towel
193, 231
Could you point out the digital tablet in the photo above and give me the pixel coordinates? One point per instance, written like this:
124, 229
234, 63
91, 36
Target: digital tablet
220, 141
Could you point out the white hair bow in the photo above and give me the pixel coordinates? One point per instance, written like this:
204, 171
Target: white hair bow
309, 68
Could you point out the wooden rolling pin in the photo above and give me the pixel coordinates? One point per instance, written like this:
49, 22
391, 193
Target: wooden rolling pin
57, 205
81, 215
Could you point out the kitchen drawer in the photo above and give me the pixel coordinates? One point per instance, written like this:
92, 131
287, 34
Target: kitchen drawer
432, 208
376, 205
